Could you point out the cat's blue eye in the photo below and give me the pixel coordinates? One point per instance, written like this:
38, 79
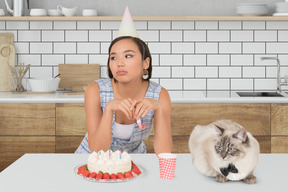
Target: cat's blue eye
231, 149
219, 148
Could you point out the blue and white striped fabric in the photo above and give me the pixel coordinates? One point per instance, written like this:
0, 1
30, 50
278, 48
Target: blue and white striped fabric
135, 144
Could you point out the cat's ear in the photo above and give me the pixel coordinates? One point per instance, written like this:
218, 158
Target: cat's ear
219, 130
241, 136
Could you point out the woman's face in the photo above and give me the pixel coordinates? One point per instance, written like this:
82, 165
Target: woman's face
126, 62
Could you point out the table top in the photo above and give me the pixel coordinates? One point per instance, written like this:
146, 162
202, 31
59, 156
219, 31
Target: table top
55, 172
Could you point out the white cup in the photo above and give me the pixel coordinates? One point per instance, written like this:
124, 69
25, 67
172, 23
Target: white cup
38, 12
67, 11
54, 12
89, 12
2, 12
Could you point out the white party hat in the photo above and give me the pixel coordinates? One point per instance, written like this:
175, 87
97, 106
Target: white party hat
127, 27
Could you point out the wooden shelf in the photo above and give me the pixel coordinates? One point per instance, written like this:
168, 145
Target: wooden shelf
229, 18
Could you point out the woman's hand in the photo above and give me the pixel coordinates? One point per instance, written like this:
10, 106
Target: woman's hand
123, 105
142, 107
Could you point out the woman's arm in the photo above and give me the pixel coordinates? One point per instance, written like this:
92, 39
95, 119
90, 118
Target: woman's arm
162, 124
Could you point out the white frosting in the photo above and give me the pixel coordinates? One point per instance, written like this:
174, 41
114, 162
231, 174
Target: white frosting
101, 161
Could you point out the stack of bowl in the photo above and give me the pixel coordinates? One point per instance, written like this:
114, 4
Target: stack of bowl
252, 9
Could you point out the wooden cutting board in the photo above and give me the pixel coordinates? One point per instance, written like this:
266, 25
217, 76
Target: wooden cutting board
78, 76
7, 58
7, 38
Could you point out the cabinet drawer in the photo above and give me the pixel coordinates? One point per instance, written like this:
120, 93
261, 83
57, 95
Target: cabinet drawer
279, 119
27, 119
279, 144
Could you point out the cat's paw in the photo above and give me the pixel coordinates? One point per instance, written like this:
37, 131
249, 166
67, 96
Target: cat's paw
250, 179
220, 178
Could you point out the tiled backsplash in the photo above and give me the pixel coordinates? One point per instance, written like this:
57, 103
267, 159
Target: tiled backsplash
187, 55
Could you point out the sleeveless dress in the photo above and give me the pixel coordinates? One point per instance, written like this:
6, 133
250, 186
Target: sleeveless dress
135, 144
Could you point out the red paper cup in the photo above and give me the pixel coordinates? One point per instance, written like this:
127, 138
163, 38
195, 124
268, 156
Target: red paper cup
167, 164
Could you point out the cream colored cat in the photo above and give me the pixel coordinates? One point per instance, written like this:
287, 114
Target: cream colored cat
225, 150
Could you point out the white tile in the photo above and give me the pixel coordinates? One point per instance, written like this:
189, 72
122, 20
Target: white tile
52, 59
21, 48
29, 35
159, 25
183, 47
206, 72
149, 35
55, 71
241, 35
65, 25
99, 59
140, 25
194, 60
195, 84
253, 25
64, 48
283, 59
155, 80
170, 60
182, 72
218, 84
88, 48
41, 47
259, 62
277, 48
88, 24
229, 48
230, 25
155, 60
277, 25
182, 25
100, 36
15, 34
2, 25
271, 72
76, 36
230, 72
161, 72
218, 60
158, 48
103, 72
206, 48
41, 72
206, 25
254, 48
265, 36
34, 60
170, 36
253, 72
242, 84
265, 84
242, 60
41, 25
171, 84
194, 35
17, 25
282, 35
53, 36
110, 25
218, 35
104, 48
76, 59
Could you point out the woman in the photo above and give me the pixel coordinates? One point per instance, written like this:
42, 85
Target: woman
113, 105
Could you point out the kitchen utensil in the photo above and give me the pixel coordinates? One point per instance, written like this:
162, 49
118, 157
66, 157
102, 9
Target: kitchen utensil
67, 11
54, 12
7, 59
251, 9
18, 75
38, 12
78, 76
18, 7
43, 85
57, 75
89, 12
7, 38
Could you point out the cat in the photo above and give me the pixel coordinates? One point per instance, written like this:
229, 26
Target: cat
225, 150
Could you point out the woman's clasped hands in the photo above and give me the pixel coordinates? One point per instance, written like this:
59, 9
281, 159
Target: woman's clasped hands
134, 109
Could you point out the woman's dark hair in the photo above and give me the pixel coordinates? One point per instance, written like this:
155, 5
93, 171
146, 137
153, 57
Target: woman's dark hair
143, 48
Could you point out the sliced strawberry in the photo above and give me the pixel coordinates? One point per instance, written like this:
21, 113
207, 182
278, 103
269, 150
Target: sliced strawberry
85, 173
113, 176
135, 169
120, 176
128, 174
106, 176
92, 175
99, 175
80, 169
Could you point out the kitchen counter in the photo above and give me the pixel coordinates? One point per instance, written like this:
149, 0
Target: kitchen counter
55, 172
176, 97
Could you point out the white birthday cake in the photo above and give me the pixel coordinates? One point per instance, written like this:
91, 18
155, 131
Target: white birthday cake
109, 162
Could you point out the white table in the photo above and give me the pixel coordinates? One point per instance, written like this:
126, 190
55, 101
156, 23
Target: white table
55, 172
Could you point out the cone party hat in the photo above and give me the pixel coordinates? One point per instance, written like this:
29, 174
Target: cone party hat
127, 27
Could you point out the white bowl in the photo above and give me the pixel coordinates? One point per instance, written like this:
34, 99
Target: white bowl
38, 12
252, 9
43, 85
